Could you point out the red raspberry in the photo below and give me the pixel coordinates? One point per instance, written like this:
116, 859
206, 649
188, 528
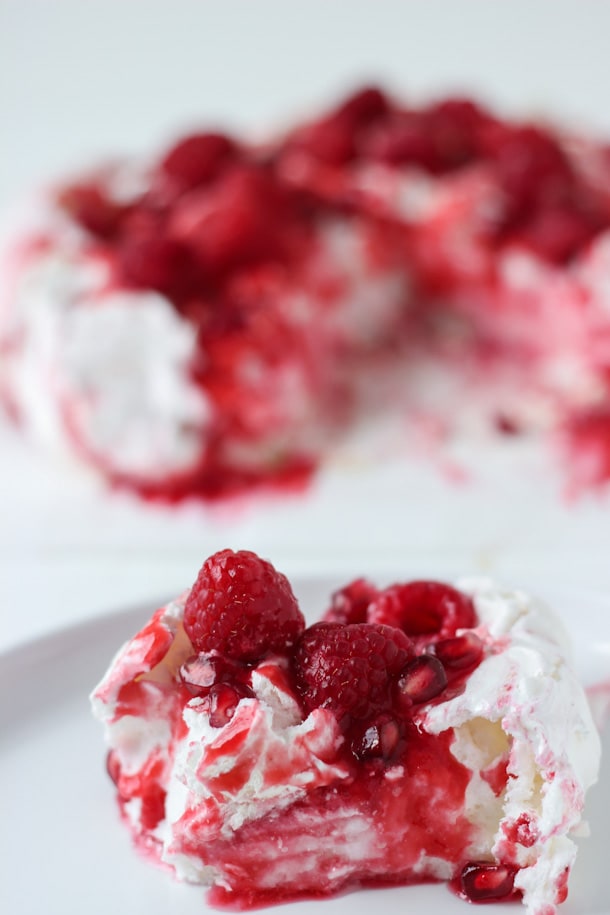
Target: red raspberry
350, 604
424, 608
198, 158
241, 607
350, 668
238, 221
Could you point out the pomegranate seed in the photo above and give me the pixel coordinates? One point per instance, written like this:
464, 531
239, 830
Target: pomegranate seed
379, 740
482, 881
422, 679
462, 651
200, 672
223, 700
198, 158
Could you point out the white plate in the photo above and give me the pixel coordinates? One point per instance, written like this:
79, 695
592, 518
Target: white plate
62, 846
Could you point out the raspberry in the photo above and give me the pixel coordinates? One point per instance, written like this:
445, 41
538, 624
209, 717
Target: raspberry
241, 607
239, 221
350, 669
350, 604
198, 158
423, 608
152, 263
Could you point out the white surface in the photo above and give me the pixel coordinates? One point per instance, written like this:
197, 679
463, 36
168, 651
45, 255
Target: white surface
82, 80
62, 842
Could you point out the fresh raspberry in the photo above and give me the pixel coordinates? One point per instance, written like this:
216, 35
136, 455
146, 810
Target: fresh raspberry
241, 607
198, 158
424, 608
350, 604
240, 220
152, 263
350, 669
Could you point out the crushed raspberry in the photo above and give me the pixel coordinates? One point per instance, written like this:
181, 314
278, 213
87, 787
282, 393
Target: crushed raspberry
423, 679
483, 881
350, 668
350, 604
240, 606
198, 158
423, 608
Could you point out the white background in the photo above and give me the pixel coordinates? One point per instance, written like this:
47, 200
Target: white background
83, 79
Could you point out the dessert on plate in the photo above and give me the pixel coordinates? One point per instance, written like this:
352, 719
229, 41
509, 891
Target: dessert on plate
417, 732
211, 320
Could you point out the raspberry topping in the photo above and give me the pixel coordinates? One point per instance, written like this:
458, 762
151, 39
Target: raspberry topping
198, 158
350, 668
350, 604
423, 608
239, 221
240, 606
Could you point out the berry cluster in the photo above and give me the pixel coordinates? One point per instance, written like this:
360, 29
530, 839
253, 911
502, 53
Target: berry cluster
547, 206
376, 656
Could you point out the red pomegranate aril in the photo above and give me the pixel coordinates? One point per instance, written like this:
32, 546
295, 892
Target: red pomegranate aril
423, 679
461, 652
380, 739
483, 881
200, 672
198, 158
223, 700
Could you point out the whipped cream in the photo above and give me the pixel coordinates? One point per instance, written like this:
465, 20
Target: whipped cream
521, 712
